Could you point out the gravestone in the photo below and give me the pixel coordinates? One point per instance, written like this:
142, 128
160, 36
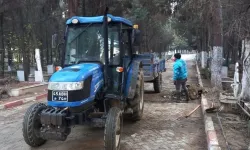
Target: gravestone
224, 72
32, 70
38, 76
39, 72
50, 69
203, 59
20, 75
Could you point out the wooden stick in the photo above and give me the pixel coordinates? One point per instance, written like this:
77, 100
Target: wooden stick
193, 111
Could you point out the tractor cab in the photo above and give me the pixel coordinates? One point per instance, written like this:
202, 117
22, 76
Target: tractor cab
108, 42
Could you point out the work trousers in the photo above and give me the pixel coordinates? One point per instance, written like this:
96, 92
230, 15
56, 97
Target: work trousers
181, 84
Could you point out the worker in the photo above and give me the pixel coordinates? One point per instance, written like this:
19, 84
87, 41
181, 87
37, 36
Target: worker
180, 75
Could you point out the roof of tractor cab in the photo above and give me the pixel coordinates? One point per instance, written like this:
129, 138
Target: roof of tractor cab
99, 19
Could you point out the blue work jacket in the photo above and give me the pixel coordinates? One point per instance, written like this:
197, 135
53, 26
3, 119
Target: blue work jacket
180, 70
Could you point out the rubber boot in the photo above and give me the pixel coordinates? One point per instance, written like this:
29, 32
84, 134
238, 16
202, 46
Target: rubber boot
178, 96
187, 95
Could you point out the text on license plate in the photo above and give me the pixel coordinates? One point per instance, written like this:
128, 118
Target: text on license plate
59, 95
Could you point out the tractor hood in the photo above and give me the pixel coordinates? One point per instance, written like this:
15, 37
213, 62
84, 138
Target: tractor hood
75, 73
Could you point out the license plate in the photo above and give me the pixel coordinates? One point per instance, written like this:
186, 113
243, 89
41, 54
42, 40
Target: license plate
59, 95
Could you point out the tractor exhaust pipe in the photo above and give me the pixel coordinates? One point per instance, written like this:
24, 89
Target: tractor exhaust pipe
105, 29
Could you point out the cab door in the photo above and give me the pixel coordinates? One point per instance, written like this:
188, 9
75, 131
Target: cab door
114, 57
120, 55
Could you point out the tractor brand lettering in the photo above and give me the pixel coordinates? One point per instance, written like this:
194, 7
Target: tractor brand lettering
97, 85
95, 72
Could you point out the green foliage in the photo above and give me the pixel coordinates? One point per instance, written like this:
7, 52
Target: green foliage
178, 37
168, 33
180, 42
139, 14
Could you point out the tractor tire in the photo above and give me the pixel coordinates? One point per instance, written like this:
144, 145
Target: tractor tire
32, 125
158, 83
113, 129
137, 104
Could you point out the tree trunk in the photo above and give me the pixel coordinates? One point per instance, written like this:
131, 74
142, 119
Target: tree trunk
83, 8
2, 50
245, 93
23, 47
217, 45
239, 50
72, 6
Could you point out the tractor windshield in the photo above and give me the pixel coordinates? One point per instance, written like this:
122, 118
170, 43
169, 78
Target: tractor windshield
86, 43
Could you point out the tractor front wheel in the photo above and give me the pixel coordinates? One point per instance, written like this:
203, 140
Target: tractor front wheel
32, 125
158, 83
113, 129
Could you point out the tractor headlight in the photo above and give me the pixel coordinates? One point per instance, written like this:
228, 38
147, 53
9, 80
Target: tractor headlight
65, 86
74, 21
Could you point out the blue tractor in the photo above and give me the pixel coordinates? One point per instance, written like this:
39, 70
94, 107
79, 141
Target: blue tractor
99, 83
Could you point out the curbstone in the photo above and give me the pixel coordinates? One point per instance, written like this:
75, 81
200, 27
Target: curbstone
22, 90
41, 96
13, 104
22, 101
212, 141
209, 126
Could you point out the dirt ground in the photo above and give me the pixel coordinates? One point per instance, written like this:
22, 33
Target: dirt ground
234, 126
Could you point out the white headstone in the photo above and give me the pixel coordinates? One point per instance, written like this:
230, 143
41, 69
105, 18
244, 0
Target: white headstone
235, 85
9, 68
39, 73
224, 72
20, 75
38, 76
32, 70
236, 73
203, 59
50, 69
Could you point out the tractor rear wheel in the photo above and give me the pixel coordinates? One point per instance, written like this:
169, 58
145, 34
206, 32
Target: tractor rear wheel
113, 129
158, 83
137, 104
32, 125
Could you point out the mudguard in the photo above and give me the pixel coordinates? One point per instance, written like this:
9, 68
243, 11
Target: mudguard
132, 74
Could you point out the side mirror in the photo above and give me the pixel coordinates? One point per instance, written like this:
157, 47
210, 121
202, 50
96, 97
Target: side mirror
136, 37
54, 41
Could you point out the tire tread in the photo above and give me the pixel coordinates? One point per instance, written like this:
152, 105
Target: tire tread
28, 122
